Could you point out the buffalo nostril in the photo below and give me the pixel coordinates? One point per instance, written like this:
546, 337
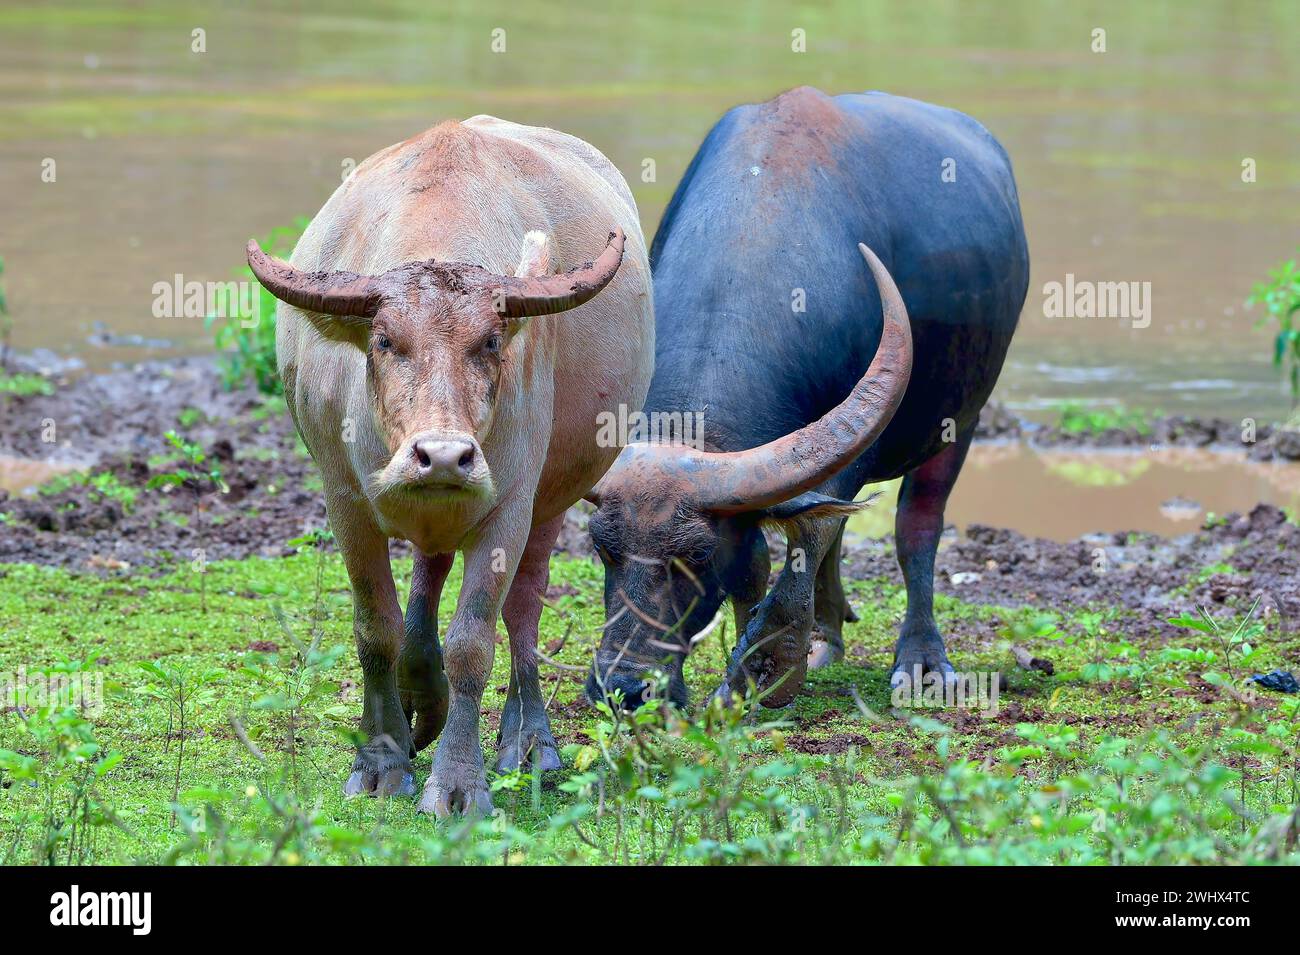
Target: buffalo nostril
449, 462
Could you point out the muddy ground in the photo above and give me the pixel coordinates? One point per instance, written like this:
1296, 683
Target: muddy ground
1271, 442
114, 424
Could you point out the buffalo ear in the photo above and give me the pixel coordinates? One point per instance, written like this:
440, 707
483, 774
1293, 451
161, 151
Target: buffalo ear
810, 506
534, 263
534, 256
346, 329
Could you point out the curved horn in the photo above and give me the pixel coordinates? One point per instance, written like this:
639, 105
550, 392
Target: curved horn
546, 295
334, 293
781, 469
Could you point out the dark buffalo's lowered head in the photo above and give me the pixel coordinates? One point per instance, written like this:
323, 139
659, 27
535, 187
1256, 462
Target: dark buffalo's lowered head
435, 335
669, 517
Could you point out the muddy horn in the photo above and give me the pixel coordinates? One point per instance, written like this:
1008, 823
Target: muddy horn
334, 293
546, 295
789, 466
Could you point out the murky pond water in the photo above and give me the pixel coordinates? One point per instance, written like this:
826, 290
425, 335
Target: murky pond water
1062, 495
25, 475
1129, 162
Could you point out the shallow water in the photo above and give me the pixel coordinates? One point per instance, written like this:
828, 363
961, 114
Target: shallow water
20, 475
1062, 495
1128, 161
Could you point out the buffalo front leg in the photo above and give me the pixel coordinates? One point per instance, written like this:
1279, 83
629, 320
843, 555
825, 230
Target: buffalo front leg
750, 586
918, 526
525, 737
421, 682
382, 766
458, 782
773, 650
830, 608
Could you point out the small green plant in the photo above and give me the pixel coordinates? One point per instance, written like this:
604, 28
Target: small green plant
248, 335
1076, 418
185, 691
202, 477
23, 385
1280, 296
296, 686
1236, 643
1238, 649
50, 789
196, 457
1111, 656
103, 486
109, 487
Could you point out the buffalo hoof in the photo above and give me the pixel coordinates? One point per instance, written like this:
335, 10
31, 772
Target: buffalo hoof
911, 659
396, 781
455, 788
779, 684
775, 685
822, 654
537, 749
725, 695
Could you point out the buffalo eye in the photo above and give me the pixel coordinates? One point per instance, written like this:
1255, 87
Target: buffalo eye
492, 345
383, 342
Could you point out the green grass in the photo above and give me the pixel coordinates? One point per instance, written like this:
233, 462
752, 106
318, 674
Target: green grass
1123, 755
1076, 418
24, 384
105, 485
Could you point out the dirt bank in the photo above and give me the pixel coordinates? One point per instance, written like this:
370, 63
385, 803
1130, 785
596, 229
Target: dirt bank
115, 423
1228, 563
1270, 442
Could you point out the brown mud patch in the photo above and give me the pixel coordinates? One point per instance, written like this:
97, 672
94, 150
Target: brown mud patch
115, 424
1150, 576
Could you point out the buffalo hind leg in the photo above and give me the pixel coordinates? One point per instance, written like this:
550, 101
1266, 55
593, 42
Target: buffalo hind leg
383, 765
830, 607
525, 737
421, 682
917, 528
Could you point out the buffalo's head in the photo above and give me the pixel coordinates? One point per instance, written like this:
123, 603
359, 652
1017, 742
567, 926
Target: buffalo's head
671, 520
436, 336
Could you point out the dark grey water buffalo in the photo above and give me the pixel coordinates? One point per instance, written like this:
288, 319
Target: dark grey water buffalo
446, 402
766, 319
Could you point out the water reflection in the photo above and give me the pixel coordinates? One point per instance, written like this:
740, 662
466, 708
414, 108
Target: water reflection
1062, 495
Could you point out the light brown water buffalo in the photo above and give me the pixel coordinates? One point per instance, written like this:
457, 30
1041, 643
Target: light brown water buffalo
447, 403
